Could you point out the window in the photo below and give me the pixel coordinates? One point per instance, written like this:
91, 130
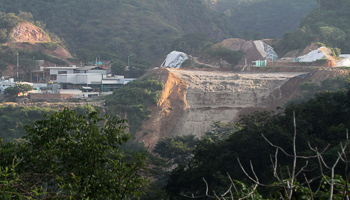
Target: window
53, 77
62, 72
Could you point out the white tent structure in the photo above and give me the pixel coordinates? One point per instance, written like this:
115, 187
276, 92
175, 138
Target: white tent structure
320, 53
266, 51
344, 63
174, 59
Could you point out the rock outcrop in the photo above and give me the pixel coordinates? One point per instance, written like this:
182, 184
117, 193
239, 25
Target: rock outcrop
27, 32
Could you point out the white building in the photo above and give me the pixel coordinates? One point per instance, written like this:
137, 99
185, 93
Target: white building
6, 83
88, 76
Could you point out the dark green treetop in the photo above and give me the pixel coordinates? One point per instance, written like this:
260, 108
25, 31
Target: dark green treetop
67, 155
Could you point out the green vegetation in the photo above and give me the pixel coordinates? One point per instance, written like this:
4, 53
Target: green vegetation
7, 23
261, 19
309, 89
192, 44
13, 119
133, 101
11, 93
219, 54
328, 25
177, 150
71, 156
118, 67
27, 52
145, 29
27, 57
319, 121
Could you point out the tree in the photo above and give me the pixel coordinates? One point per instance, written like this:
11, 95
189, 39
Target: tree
176, 150
332, 34
3, 35
192, 43
9, 20
118, 67
23, 88
11, 93
25, 15
76, 156
220, 54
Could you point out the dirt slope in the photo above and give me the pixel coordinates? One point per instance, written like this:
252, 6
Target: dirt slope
193, 99
27, 32
170, 108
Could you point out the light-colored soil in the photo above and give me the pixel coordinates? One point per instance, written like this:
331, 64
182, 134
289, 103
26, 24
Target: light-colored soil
193, 99
27, 32
170, 107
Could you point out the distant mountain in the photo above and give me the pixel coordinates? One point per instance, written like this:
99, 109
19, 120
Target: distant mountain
143, 28
264, 18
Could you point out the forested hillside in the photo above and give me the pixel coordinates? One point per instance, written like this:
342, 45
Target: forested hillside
264, 18
329, 25
144, 28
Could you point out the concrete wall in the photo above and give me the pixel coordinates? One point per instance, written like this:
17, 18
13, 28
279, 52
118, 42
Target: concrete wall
79, 78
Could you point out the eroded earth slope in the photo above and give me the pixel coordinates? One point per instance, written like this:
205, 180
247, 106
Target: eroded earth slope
193, 99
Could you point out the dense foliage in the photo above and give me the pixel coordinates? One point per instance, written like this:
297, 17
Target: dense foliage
13, 119
268, 18
133, 100
328, 24
192, 44
309, 88
71, 156
222, 56
320, 121
177, 150
145, 29
12, 92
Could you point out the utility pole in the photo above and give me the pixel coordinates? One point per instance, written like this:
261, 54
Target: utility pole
17, 65
319, 6
191, 61
129, 59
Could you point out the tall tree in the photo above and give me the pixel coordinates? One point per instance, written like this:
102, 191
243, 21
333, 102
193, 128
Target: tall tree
75, 156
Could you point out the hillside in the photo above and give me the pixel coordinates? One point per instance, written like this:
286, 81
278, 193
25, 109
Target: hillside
144, 28
328, 25
267, 18
193, 99
27, 32
19, 35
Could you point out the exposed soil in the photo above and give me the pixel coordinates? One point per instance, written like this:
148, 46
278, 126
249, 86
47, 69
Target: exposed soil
27, 32
193, 99
169, 109
59, 52
290, 89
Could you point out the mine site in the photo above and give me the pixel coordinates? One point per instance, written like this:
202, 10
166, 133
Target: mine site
194, 98
174, 99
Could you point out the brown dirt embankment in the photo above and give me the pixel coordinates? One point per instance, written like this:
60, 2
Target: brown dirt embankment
27, 32
192, 99
290, 89
170, 107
